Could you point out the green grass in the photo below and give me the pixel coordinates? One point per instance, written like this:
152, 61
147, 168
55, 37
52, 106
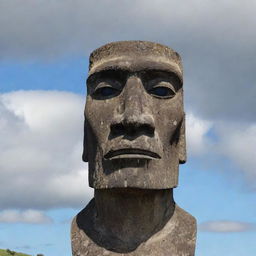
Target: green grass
5, 253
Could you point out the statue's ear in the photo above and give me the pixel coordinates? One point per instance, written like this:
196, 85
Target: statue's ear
85, 151
182, 143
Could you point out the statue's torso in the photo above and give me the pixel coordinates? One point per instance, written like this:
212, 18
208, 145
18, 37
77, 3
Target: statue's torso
176, 238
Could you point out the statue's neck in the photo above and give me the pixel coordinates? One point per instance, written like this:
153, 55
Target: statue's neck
131, 216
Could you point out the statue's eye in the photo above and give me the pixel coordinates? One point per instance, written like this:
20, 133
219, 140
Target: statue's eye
162, 92
106, 92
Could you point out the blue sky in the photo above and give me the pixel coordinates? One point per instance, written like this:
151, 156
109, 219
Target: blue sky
44, 48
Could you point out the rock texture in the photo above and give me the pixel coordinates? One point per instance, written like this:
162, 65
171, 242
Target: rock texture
134, 141
176, 238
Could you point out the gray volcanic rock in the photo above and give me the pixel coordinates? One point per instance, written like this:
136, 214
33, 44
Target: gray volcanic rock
134, 141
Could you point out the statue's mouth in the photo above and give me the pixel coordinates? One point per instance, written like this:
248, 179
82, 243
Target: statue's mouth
132, 153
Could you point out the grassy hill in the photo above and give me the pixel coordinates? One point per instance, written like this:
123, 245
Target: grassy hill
5, 253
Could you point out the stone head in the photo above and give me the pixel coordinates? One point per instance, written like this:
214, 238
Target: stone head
134, 117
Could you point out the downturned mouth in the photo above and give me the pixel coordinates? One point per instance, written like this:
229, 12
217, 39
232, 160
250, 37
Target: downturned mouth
132, 153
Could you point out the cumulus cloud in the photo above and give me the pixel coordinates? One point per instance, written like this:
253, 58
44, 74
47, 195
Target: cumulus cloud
238, 143
197, 129
225, 226
27, 216
40, 152
234, 141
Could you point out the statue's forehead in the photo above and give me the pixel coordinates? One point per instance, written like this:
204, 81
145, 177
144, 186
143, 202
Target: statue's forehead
135, 56
136, 64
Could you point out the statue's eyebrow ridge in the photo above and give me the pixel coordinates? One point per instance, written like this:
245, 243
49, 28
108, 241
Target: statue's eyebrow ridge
117, 69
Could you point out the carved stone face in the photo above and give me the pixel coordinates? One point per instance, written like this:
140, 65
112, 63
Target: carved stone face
134, 118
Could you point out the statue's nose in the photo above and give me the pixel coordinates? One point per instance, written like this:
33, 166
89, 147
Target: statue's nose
136, 118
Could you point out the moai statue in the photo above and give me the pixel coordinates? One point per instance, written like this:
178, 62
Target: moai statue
134, 141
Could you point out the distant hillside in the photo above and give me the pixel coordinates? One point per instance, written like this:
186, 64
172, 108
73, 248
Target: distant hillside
5, 253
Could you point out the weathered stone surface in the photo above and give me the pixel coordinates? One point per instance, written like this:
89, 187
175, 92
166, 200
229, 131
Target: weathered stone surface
176, 238
134, 141
134, 117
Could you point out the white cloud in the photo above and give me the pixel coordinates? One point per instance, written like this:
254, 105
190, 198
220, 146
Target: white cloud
27, 216
40, 151
197, 129
235, 141
225, 226
238, 143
